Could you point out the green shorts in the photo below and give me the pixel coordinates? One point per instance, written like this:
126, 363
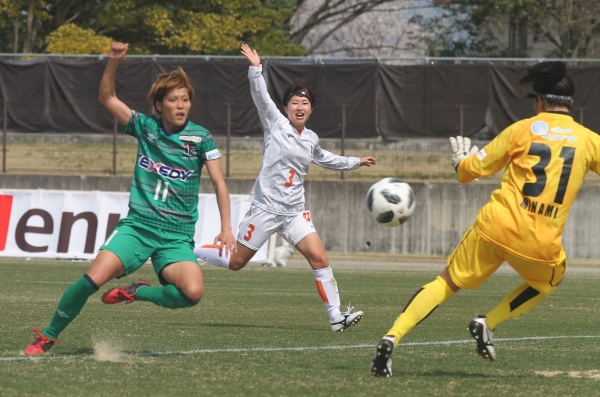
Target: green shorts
134, 242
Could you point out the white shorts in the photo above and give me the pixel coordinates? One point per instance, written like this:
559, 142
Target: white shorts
259, 225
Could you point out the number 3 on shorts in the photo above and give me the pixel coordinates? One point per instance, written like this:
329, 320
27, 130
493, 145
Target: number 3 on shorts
250, 231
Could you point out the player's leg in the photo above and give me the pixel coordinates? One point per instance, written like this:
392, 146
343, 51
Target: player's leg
418, 308
471, 263
178, 272
255, 230
299, 231
105, 267
214, 255
541, 280
182, 287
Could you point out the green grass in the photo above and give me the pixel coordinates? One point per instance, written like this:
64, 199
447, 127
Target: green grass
144, 350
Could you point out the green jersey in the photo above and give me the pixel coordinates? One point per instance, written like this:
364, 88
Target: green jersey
166, 178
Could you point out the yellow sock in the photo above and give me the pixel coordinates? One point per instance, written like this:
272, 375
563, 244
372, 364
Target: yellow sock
423, 302
520, 300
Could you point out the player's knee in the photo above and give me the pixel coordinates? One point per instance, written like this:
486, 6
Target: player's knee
236, 265
320, 261
192, 293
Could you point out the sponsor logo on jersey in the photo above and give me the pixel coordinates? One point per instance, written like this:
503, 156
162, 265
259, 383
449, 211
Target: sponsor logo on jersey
213, 154
190, 149
149, 135
162, 169
561, 131
190, 138
481, 154
539, 128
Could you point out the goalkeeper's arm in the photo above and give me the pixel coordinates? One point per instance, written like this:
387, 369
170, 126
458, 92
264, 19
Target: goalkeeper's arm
470, 162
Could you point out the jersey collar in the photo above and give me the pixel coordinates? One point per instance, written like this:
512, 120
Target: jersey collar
177, 131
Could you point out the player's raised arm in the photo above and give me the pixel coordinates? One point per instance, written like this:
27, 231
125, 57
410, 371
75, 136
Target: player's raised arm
267, 110
107, 95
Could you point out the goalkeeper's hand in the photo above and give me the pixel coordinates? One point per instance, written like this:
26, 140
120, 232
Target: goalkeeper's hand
461, 149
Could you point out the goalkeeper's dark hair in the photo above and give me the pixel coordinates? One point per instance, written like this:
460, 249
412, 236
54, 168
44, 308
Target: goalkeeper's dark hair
550, 81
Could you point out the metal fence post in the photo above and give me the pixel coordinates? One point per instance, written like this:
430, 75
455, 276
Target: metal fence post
462, 120
227, 175
4, 136
343, 135
114, 171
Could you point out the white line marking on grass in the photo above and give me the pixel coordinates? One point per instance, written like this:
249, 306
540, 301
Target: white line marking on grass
279, 349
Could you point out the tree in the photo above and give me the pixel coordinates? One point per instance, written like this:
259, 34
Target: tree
71, 39
356, 27
22, 18
152, 26
571, 26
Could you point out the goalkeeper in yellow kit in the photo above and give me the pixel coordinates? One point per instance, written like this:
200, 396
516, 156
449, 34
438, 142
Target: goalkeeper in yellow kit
546, 159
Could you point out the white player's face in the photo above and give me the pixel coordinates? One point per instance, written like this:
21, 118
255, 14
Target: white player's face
298, 111
174, 108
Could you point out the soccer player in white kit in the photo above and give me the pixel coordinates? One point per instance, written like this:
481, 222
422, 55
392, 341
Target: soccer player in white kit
278, 193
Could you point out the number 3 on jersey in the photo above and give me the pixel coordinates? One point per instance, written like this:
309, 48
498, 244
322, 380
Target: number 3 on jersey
291, 181
541, 150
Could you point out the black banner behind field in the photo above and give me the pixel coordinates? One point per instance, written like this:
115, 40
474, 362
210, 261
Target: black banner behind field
393, 102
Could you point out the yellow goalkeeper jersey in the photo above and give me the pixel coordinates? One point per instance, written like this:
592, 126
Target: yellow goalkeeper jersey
546, 159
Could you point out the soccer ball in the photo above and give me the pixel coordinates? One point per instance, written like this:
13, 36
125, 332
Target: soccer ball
391, 202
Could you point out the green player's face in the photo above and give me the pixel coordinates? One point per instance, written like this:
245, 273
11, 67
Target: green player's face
174, 108
298, 111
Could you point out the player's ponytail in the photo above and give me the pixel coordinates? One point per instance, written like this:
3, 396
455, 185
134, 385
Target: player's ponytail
550, 81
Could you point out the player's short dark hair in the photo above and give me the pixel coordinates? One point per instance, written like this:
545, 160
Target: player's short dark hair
165, 82
550, 81
298, 88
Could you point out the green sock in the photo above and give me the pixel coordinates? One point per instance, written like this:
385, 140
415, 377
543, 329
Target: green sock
70, 305
168, 296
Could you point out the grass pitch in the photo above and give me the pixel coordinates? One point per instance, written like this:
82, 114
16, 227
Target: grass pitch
264, 332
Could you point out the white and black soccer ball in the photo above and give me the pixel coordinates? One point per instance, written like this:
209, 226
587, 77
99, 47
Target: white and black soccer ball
391, 202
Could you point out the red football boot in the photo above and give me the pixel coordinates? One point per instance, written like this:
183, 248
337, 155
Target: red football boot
123, 294
40, 345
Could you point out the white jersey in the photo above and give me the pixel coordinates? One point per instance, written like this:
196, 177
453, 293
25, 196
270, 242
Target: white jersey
287, 155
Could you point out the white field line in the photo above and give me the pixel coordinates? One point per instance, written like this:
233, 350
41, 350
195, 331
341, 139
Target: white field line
280, 349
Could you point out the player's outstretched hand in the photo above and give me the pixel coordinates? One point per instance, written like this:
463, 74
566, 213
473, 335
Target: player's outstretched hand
251, 54
461, 149
367, 161
118, 51
227, 242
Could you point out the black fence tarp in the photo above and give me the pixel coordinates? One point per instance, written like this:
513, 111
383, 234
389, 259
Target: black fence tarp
392, 102
334, 86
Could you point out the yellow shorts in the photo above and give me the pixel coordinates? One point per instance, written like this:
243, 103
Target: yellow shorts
475, 259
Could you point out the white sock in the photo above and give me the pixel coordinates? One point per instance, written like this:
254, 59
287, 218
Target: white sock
210, 254
327, 287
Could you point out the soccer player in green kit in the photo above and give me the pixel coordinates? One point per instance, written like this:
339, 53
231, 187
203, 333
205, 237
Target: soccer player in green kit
162, 205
